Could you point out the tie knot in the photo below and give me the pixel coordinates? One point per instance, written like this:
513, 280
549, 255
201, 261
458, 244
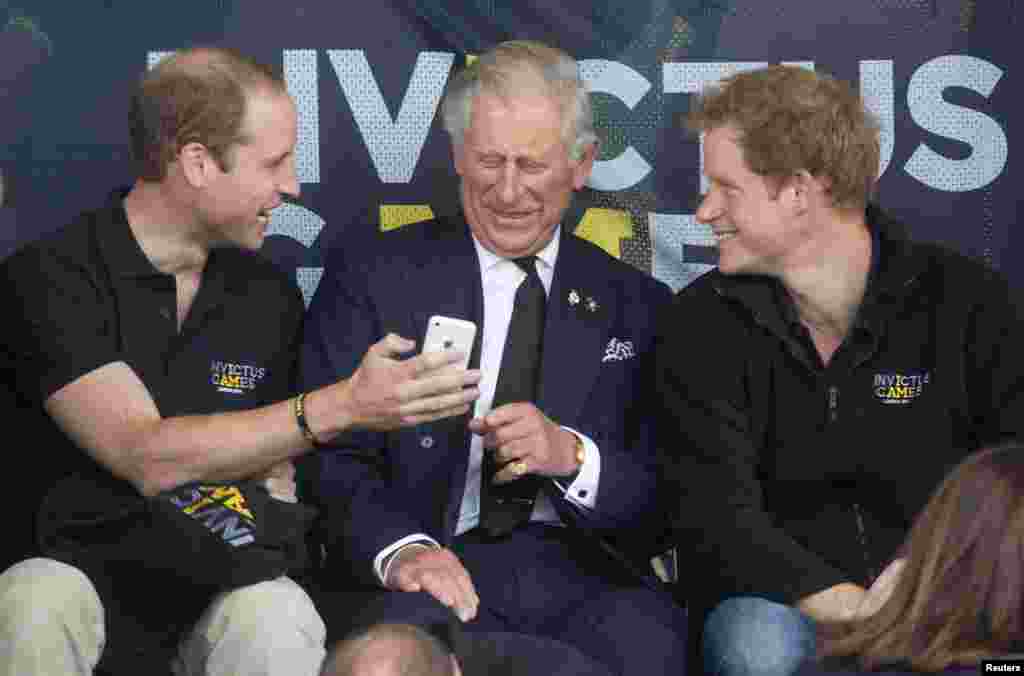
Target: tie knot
526, 264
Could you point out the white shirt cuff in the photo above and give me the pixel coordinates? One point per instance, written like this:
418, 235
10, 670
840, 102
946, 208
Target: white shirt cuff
583, 491
382, 575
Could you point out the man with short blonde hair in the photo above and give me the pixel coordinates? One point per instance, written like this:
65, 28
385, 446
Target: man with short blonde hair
157, 350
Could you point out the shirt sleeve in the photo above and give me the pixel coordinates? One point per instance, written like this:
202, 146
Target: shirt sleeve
994, 364
583, 489
382, 562
61, 323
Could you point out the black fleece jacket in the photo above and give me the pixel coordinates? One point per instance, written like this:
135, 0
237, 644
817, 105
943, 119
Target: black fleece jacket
791, 476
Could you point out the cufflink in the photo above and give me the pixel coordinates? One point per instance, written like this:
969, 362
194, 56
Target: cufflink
581, 453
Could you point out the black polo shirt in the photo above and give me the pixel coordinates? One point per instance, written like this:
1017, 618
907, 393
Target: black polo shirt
87, 296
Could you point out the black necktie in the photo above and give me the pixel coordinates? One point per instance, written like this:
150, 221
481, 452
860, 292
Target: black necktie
505, 506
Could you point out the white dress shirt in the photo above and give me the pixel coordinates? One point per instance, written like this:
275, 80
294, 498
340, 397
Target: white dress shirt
501, 278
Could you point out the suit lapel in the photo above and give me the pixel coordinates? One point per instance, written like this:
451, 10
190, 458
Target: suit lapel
446, 281
580, 314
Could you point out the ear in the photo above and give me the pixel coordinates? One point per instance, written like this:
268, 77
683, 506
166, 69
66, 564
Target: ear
583, 166
196, 164
805, 190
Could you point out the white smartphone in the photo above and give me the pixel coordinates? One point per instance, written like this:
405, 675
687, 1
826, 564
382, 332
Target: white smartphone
449, 333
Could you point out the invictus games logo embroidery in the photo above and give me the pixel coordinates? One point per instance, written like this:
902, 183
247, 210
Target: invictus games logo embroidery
900, 388
222, 510
235, 378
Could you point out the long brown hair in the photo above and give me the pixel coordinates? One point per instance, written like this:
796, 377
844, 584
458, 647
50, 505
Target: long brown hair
960, 596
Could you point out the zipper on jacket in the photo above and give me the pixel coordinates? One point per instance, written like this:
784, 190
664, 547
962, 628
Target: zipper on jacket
862, 534
862, 537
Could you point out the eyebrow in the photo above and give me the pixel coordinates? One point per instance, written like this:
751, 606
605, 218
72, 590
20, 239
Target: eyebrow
519, 159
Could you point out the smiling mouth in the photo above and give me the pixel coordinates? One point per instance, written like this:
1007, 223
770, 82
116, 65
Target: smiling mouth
723, 235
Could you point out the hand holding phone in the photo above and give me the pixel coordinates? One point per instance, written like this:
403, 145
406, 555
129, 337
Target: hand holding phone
449, 333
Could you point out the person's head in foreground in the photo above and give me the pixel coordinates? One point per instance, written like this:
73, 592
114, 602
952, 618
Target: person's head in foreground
390, 650
960, 596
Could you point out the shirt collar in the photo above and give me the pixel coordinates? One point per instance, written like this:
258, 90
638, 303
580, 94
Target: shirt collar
122, 251
488, 259
895, 266
125, 257
788, 307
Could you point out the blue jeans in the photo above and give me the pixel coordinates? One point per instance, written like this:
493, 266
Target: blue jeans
750, 636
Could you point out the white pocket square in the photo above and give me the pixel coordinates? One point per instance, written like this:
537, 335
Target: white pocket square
618, 350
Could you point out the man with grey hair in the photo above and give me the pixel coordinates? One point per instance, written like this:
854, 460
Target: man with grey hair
535, 515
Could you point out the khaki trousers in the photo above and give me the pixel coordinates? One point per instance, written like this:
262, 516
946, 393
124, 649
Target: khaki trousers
51, 624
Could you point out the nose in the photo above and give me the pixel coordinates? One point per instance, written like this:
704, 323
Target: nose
709, 209
510, 184
289, 180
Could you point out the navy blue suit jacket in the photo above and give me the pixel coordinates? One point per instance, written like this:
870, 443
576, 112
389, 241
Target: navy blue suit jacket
376, 488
